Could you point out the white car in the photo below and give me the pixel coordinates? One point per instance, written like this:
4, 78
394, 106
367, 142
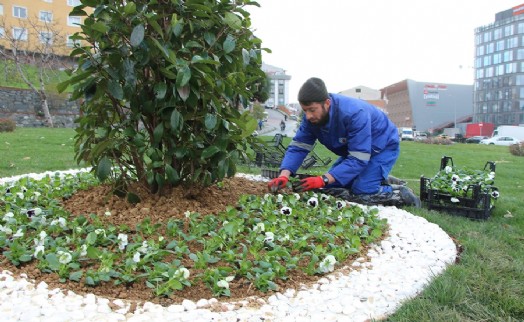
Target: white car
500, 140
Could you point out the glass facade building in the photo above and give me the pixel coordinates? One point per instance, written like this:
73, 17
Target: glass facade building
499, 69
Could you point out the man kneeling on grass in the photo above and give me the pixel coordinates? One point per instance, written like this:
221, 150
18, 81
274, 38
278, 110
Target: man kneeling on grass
364, 138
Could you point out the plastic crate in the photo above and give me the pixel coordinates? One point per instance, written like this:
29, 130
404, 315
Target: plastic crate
476, 205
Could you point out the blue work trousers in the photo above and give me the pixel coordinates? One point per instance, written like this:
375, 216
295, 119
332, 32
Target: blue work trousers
370, 180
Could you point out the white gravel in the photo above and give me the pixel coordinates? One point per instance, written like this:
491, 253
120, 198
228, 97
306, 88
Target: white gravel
399, 268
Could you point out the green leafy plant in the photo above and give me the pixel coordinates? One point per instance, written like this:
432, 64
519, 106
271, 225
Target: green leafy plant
461, 182
162, 83
261, 240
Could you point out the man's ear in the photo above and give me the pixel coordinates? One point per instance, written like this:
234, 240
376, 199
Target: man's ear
327, 103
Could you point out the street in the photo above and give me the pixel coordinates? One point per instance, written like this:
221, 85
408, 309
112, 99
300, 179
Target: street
272, 126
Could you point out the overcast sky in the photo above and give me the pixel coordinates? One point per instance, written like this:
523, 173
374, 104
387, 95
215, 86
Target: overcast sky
372, 43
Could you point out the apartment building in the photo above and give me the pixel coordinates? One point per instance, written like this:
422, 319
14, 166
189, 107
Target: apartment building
35, 24
499, 69
279, 86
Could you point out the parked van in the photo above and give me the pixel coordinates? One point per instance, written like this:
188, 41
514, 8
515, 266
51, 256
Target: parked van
406, 134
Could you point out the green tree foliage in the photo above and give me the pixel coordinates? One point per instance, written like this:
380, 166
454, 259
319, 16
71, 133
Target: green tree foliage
162, 81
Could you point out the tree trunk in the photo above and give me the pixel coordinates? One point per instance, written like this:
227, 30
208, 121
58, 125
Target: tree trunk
45, 109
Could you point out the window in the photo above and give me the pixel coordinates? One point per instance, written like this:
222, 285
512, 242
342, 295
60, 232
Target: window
512, 42
72, 42
46, 16
73, 3
45, 37
487, 60
500, 45
509, 30
73, 21
1, 9
497, 33
499, 70
487, 36
490, 48
497, 58
20, 33
511, 68
2, 32
480, 50
19, 12
508, 56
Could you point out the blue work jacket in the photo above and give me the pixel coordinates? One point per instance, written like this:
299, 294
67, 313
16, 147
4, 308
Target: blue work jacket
356, 131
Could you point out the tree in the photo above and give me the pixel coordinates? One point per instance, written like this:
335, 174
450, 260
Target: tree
38, 44
161, 82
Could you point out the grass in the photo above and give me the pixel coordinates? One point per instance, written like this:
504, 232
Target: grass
487, 284
10, 77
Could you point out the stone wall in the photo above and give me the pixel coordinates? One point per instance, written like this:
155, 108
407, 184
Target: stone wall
24, 107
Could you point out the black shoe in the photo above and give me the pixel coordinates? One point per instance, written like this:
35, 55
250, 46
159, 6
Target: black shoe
407, 197
394, 180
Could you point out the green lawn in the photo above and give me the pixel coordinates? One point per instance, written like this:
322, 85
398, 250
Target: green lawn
486, 285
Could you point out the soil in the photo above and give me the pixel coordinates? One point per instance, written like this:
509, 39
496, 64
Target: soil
210, 200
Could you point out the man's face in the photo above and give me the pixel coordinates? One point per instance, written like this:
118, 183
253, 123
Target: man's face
317, 113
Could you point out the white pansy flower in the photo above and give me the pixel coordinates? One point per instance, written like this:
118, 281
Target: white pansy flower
42, 235
453, 199
6, 230
83, 250
280, 198
297, 196
100, 231
455, 177
491, 175
341, 204
360, 220
20, 195
495, 194
144, 248
8, 216
19, 233
122, 241
267, 196
286, 211
160, 238
60, 222
39, 249
187, 214
313, 202
327, 264
259, 227
182, 271
36, 195
269, 237
225, 222
324, 197
64, 257
107, 213
223, 284
136, 257
448, 169
285, 238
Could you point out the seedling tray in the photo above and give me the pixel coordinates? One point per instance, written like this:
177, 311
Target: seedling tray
476, 204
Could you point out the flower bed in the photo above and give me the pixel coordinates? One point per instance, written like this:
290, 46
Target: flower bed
460, 191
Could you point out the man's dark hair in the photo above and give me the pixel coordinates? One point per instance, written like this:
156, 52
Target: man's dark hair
313, 91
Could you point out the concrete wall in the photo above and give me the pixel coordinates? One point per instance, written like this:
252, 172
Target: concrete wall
24, 107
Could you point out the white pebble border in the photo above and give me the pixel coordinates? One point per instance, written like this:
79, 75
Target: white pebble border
399, 268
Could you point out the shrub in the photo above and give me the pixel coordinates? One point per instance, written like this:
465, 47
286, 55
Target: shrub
517, 149
162, 89
7, 125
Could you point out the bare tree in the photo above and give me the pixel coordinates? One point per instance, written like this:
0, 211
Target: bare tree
37, 42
